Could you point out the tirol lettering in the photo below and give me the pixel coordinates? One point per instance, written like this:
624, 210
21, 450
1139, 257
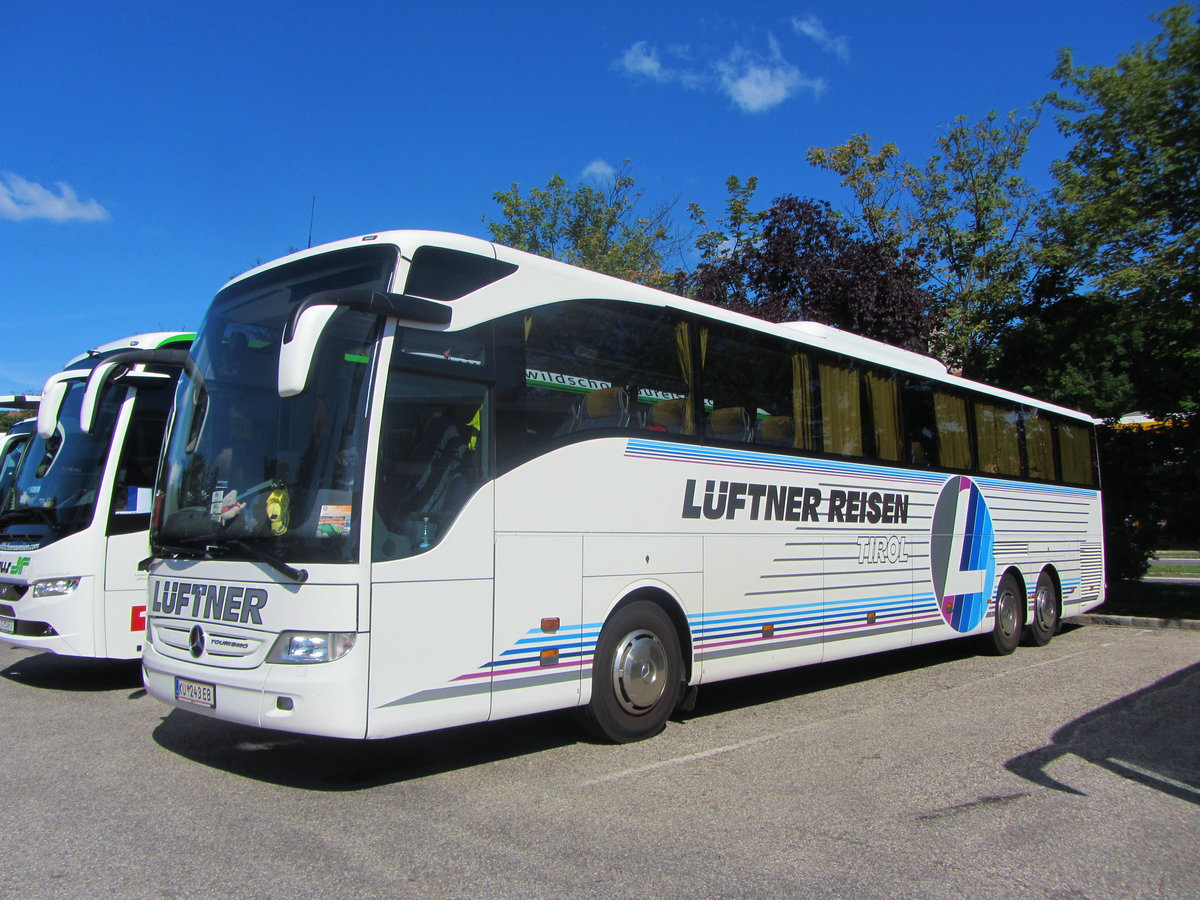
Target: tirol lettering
791, 503
877, 550
217, 603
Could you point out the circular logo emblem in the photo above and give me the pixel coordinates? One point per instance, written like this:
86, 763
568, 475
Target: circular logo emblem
962, 557
196, 641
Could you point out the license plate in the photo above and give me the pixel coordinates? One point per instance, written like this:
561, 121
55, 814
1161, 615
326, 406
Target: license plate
196, 692
8, 626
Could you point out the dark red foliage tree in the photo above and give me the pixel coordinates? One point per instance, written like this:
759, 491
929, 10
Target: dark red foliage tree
808, 264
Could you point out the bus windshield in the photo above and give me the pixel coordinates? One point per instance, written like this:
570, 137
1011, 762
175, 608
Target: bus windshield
248, 472
55, 488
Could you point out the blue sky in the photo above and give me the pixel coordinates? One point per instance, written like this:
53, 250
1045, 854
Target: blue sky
150, 151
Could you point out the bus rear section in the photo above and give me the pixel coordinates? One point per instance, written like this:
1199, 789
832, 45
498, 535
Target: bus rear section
75, 519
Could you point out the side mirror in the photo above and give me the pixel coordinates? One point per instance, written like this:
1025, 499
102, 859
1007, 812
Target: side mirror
130, 367
296, 352
312, 314
53, 395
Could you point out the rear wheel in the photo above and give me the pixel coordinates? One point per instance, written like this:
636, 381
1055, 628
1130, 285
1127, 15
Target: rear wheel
1044, 623
637, 674
1010, 611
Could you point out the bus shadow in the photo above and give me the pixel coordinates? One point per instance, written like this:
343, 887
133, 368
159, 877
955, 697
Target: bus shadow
755, 690
334, 764
52, 672
1148, 736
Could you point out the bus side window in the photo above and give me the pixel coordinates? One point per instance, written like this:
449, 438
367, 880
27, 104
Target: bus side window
1039, 445
572, 370
996, 435
953, 431
431, 460
1075, 452
920, 422
883, 407
747, 379
841, 408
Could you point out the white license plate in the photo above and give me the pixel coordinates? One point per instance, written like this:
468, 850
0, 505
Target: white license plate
8, 626
196, 692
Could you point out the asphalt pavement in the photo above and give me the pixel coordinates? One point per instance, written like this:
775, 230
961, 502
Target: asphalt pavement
1069, 771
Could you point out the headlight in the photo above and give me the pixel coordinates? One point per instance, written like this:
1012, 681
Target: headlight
54, 587
311, 646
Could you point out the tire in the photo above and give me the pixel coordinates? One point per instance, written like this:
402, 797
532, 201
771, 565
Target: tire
1010, 613
637, 675
1043, 624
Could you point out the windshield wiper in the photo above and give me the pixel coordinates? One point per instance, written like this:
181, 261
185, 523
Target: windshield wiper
297, 575
175, 551
201, 546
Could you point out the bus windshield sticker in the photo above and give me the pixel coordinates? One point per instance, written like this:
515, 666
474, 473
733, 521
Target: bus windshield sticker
335, 521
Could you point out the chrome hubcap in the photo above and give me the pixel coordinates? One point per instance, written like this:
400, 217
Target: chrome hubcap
639, 672
1006, 613
1044, 607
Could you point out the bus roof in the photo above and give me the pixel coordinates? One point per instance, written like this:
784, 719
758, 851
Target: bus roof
152, 340
537, 281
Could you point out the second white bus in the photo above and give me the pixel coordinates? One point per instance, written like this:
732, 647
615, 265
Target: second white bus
75, 518
416, 480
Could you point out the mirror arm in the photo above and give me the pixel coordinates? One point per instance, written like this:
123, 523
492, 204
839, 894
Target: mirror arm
400, 306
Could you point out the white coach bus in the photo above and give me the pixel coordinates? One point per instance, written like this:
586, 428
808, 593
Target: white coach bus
415, 480
75, 511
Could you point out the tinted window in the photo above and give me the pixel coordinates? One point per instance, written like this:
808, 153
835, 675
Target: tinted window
996, 433
1075, 451
580, 367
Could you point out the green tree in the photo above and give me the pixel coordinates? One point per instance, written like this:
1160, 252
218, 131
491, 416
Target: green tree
595, 227
1125, 226
1121, 241
969, 216
10, 417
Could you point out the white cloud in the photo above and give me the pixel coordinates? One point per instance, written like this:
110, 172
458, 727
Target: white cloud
813, 28
754, 82
757, 84
21, 199
642, 59
598, 170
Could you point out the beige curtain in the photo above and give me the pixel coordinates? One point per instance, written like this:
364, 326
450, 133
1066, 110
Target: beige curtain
954, 442
1039, 447
883, 395
996, 432
1075, 450
841, 410
802, 425
688, 426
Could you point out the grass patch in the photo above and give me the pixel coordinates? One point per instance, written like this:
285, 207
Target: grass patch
1152, 600
1165, 569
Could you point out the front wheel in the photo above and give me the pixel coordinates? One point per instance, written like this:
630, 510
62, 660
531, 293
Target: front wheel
1010, 612
637, 674
1045, 611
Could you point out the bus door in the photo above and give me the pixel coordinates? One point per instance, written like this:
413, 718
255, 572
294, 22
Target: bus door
129, 504
432, 550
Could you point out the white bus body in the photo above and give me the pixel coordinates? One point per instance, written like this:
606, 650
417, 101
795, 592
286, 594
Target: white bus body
511, 486
74, 521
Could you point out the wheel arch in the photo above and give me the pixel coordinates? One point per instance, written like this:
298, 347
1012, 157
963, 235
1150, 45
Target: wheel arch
670, 604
